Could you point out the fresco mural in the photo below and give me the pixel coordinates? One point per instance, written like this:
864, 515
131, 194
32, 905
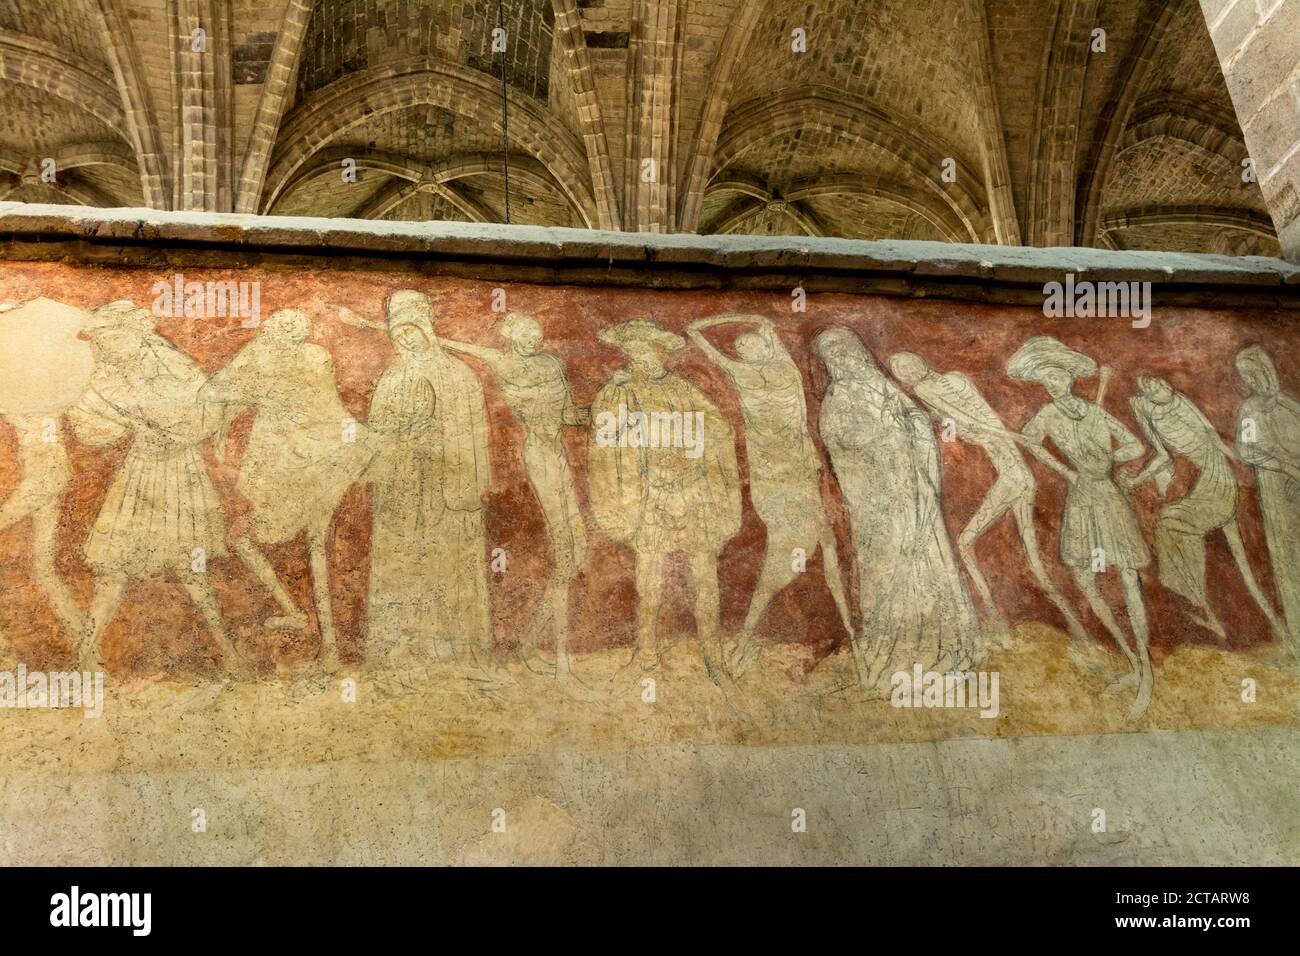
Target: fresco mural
534, 517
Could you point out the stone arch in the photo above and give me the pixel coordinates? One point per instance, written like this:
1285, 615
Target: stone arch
345, 103
920, 153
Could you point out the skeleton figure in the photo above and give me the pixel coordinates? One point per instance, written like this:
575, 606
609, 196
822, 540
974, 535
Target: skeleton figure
952, 396
784, 468
662, 496
915, 609
1099, 529
45, 367
1172, 423
1268, 438
537, 390
303, 453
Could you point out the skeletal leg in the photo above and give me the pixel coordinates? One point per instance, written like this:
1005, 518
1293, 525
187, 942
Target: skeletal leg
778, 571
831, 567
1137, 615
704, 571
1233, 534
44, 524
320, 587
291, 617
990, 510
1024, 516
200, 591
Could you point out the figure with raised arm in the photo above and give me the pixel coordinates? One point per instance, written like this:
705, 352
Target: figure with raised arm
536, 389
784, 468
952, 397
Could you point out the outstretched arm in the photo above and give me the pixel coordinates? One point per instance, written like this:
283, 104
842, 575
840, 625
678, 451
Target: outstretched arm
693, 332
478, 351
1031, 437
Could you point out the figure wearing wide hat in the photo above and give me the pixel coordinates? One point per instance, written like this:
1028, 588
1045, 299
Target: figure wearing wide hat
1099, 529
658, 495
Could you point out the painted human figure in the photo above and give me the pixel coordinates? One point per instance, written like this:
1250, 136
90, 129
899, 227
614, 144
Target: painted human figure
951, 396
428, 572
536, 389
1172, 423
784, 468
914, 603
161, 514
657, 497
304, 451
1268, 438
45, 476
45, 367
1099, 529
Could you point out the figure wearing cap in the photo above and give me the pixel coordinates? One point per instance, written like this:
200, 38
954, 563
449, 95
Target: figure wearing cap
663, 478
161, 513
1099, 529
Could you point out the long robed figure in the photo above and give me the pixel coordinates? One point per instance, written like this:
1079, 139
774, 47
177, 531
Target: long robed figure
1268, 438
915, 608
428, 565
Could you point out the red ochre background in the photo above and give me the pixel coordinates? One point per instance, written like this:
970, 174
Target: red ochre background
158, 631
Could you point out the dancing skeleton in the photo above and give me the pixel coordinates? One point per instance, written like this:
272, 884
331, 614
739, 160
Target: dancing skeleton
784, 468
952, 396
537, 391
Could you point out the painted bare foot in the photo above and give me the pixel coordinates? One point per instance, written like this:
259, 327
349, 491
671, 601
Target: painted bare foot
535, 663
1123, 682
327, 661
641, 661
1208, 621
743, 657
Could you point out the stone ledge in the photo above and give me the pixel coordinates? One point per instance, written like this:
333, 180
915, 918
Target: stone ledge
579, 256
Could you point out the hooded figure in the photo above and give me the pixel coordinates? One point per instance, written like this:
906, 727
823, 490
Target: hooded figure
1268, 437
663, 478
915, 608
428, 551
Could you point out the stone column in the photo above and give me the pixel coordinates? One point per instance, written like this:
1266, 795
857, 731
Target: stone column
1258, 44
